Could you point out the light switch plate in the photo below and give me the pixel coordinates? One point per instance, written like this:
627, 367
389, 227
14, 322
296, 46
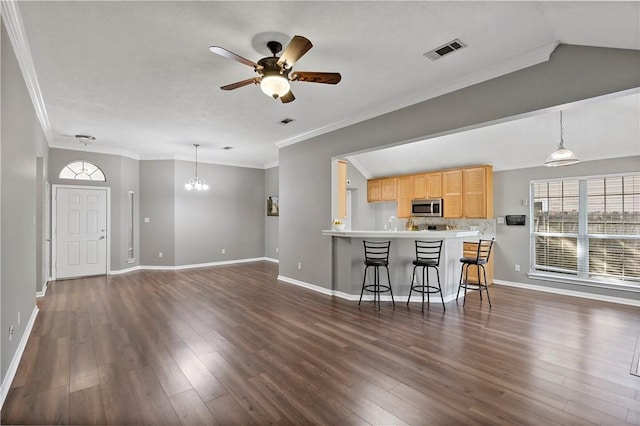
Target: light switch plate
146, 220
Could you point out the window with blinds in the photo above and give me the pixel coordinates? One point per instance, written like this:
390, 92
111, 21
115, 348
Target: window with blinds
588, 228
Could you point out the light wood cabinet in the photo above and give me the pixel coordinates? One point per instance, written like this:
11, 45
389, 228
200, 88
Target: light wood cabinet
405, 195
470, 249
374, 190
434, 182
341, 189
452, 193
381, 189
420, 186
478, 192
404, 189
466, 192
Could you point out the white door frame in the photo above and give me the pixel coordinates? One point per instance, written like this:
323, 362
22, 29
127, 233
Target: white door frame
54, 208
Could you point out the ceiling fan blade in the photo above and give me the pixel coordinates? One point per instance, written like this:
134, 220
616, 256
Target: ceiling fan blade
297, 47
230, 55
288, 97
254, 80
316, 77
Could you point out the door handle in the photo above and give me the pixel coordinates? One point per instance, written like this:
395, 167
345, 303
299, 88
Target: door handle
101, 237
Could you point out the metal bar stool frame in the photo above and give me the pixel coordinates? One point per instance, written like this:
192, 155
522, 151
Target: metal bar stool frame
481, 259
376, 254
427, 256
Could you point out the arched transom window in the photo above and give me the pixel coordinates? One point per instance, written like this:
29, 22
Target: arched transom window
82, 170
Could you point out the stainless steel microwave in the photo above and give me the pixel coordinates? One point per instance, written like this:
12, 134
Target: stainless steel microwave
430, 207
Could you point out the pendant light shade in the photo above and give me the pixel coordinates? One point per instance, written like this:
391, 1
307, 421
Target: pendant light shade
196, 183
561, 156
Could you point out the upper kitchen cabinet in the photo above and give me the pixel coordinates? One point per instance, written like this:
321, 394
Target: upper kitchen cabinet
434, 185
478, 192
381, 189
452, 193
420, 186
404, 195
468, 193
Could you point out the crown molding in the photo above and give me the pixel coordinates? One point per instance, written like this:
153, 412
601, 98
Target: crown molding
18, 38
527, 59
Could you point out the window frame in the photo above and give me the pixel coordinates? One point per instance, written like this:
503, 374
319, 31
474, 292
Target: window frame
582, 275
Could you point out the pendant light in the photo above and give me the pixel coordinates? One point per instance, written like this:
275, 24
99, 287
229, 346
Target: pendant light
561, 156
196, 183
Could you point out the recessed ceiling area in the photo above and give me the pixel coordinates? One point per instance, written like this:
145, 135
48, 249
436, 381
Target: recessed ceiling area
140, 78
593, 130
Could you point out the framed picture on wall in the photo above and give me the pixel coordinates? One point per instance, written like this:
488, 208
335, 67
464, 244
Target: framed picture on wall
273, 206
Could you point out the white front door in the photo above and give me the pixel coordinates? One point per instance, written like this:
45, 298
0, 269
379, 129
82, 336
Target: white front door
80, 232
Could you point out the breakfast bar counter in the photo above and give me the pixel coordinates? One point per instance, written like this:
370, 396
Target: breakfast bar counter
347, 253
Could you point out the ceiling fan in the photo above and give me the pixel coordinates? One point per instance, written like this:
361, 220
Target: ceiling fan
275, 72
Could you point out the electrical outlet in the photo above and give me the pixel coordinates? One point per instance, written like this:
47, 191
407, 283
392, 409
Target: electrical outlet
299, 265
277, 250
10, 332
18, 317
516, 267
159, 254
223, 251
146, 220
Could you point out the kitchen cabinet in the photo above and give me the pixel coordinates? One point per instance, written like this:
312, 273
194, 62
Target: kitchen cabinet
420, 186
341, 190
381, 189
434, 185
404, 196
389, 189
374, 190
478, 192
470, 249
452, 193
466, 192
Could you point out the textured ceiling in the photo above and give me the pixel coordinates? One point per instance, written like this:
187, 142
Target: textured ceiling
139, 77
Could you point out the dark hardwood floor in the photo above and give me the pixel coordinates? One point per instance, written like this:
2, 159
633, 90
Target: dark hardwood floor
232, 345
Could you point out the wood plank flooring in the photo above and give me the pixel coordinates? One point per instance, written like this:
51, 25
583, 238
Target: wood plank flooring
232, 345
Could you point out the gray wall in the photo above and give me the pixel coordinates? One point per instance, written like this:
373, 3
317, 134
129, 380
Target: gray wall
512, 186
22, 143
573, 73
157, 189
122, 177
362, 212
271, 223
230, 215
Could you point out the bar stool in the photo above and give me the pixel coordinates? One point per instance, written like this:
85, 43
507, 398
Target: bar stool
427, 256
376, 254
481, 259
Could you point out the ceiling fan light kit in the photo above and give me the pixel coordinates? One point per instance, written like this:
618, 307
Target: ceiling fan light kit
274, 71
561, 156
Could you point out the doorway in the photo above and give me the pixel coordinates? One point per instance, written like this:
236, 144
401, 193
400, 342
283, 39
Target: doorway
81, 225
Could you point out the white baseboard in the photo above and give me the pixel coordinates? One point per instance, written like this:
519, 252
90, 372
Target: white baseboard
42, 292
126, 270
271, 259
573, 293
195, 265
367, 297
15, 361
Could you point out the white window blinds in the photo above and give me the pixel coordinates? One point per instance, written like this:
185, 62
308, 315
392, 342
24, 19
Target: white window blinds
588, 228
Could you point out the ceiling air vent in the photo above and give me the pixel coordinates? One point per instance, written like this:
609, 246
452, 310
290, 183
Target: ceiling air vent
445, 49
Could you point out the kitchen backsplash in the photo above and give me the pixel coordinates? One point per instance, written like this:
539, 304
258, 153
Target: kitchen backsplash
486, 227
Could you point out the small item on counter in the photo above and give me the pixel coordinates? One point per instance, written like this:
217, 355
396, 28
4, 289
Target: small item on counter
337, 225
409, 226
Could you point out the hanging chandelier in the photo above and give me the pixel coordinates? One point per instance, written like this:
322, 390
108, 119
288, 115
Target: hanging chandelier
196, 183
561, 156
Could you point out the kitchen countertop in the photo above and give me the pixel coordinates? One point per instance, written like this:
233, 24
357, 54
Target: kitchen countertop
403, 234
